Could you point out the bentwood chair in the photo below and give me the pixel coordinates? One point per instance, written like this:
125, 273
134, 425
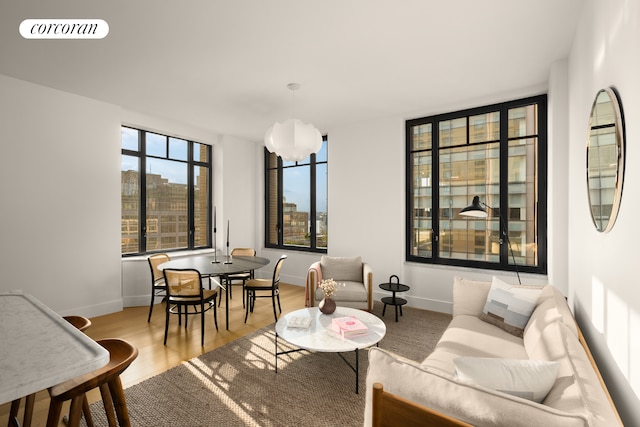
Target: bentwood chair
239, 277
184, 289
269, 286
79, 322
107, 378
157, 279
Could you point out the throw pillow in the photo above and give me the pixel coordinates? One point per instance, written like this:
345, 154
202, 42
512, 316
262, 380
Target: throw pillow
341, 269
528, 379
510, 307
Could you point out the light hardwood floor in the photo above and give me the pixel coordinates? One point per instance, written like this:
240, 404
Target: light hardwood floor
182, 344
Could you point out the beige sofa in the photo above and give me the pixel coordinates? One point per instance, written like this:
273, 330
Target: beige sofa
444, 384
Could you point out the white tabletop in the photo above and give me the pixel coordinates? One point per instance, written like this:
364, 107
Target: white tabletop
321, 337
39, 349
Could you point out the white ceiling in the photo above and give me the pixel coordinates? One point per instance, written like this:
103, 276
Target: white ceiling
223, 65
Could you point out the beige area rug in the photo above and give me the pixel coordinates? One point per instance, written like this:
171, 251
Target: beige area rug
236, 385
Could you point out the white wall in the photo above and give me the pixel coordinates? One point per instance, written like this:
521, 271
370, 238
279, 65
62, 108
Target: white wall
59, 180
603, 268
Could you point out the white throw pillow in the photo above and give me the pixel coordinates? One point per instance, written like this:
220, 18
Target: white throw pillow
510, 307
528, 379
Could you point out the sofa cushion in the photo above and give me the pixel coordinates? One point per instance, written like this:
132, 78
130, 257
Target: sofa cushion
341, 269
346, 291
470, 336
469, 296
471, 403
509, 307
529, 379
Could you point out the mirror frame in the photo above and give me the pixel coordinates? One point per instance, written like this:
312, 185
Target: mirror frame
618, 122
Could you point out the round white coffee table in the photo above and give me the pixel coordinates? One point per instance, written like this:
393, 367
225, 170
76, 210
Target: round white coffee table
320, 336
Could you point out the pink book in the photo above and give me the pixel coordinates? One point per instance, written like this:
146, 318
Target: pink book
349, 326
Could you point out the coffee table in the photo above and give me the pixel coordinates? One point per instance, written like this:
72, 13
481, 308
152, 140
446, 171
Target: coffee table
320, 337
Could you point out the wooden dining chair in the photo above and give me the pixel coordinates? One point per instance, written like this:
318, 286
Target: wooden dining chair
79, 322
232, 279
158, 286
107, 379
184, 289
269, 286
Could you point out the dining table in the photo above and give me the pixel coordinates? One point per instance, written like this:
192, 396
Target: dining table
39, 349
218, 266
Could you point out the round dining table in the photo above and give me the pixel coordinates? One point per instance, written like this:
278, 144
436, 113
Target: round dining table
212, 266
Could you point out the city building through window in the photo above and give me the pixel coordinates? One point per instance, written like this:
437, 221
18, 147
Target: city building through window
166, 193
296, 202
498, 153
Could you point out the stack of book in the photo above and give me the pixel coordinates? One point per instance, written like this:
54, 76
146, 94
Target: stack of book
349, 326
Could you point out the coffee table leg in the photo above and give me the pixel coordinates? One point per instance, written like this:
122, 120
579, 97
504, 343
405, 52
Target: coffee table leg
357, 371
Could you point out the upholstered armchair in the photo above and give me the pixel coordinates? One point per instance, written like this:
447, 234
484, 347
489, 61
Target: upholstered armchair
354, 278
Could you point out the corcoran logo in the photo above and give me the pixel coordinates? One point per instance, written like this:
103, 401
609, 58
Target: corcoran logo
64, 29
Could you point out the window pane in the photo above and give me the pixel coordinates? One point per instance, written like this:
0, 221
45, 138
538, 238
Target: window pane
523, 121
421, 137
130, 139
484, 127
130, 202
296, 206
523, 199
466, 172
321, 156
453, 132
156, 145
201, 206
178, 149
422, 201
167, 205
321, 205
272, 208
200, 152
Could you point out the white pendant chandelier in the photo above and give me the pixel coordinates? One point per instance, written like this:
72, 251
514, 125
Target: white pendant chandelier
293, 140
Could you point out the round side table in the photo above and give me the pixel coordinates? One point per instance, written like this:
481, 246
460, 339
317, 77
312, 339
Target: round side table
393, 287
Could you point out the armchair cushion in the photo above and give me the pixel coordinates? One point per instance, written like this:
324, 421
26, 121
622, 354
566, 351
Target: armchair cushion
342, 269
347, 291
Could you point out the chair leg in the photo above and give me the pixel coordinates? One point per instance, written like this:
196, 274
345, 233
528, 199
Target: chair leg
215, 313
119, 402
273, 301
246, 309
55, 409
166, 323
201, 324
153, 299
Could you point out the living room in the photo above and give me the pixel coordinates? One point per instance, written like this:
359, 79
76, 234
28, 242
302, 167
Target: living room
61, 172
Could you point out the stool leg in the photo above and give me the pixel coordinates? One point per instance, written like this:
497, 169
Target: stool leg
86, 411
120, 403
108, 404
28, 410
75, 412
55, 409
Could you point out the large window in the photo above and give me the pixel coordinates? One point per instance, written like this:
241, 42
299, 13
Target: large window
296, 202
166, 193
497, 153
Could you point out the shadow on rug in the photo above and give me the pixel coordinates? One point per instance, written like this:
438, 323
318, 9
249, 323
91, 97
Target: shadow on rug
236, 385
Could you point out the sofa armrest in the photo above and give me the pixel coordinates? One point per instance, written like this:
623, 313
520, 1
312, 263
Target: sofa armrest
443, 393
367, 278
314, 276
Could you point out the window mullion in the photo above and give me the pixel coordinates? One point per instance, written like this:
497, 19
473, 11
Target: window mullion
142, 230
504, 187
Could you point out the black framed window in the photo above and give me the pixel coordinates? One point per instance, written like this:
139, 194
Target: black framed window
498, 153
165, 193
296, 202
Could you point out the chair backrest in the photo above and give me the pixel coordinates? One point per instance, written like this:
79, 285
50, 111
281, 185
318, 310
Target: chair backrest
276, 270
183, 282
154, 261
243, 252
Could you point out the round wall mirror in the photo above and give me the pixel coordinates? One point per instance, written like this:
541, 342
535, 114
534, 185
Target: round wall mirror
605, 159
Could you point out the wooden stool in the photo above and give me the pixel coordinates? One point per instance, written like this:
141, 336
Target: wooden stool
81, 323
106, 378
